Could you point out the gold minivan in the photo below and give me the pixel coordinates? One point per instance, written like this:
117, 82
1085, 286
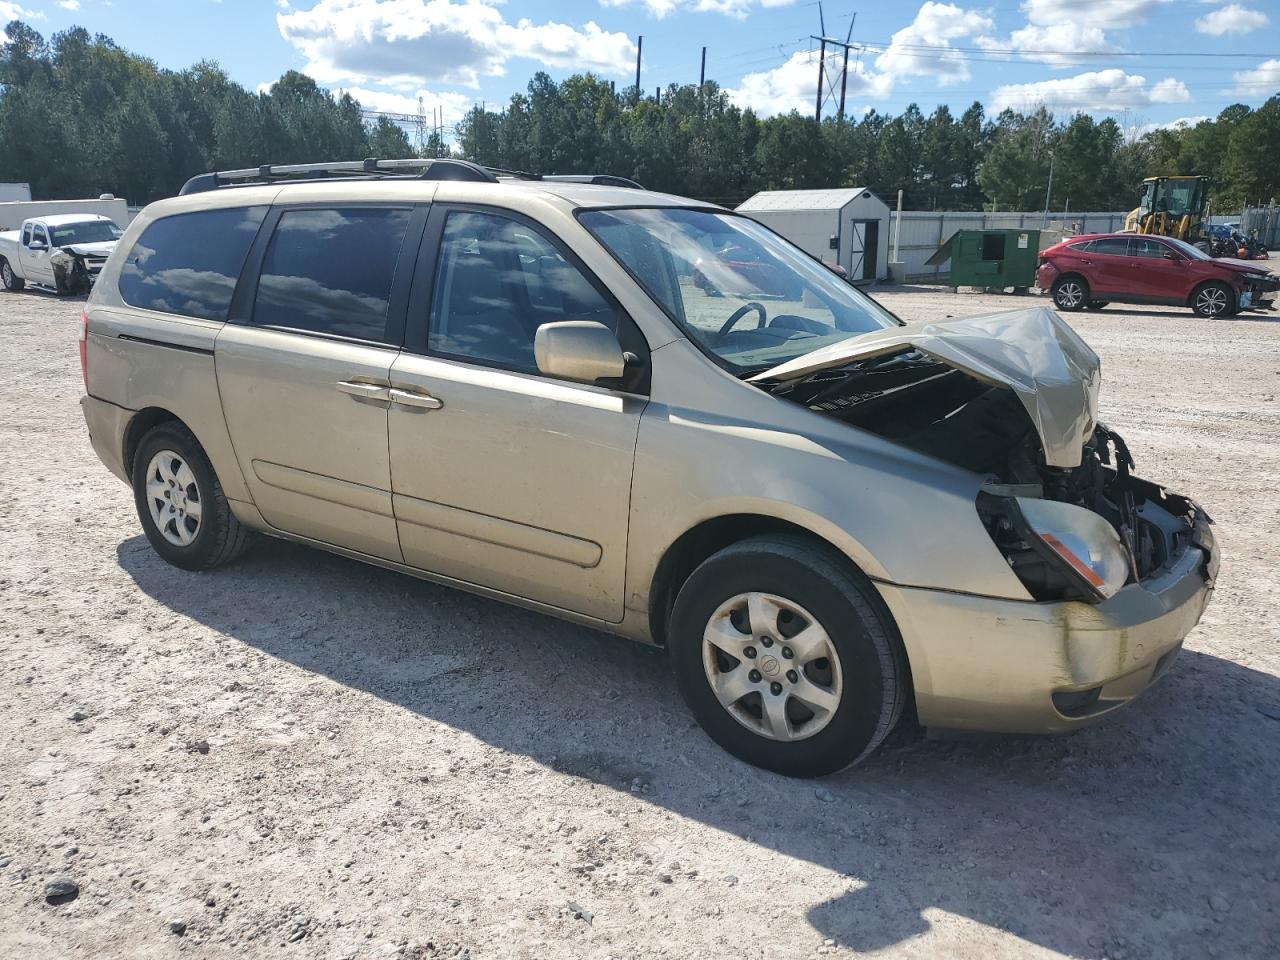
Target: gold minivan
654, 417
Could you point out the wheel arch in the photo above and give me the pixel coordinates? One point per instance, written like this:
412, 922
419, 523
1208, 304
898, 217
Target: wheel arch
1207, 281
140, 425
708, 537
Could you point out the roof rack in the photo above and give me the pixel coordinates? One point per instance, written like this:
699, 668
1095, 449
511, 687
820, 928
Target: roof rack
438, 168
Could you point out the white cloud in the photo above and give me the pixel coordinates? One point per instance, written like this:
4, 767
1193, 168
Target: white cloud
454, 105
1101, 90
920, 49
1063, 34
738, 9
935, 25
405, 43
11, 11
1260, 82
69, 4
1182, 123
793, 85
1233, 18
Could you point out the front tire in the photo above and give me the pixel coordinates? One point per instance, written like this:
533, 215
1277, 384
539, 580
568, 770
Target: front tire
180, 502
1213, 301
787, 657
1070, 293
8, 279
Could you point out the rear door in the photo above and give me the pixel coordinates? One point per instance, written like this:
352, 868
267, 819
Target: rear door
503, 477
1109, 270
303, 368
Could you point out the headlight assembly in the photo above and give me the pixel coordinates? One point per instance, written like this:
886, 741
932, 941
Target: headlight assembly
1059, 551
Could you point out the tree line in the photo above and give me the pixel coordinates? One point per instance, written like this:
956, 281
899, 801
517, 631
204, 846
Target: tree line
80, 116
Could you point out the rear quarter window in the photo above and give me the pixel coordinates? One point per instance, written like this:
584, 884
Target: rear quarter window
189, 263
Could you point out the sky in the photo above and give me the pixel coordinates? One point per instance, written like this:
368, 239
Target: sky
1149, 63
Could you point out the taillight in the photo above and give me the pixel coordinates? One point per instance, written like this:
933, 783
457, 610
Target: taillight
84, 344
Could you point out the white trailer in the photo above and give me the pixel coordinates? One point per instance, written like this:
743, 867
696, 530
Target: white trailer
14, 191
848, 226
15, 212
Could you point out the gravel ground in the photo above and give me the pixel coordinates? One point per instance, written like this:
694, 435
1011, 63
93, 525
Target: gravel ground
303, 756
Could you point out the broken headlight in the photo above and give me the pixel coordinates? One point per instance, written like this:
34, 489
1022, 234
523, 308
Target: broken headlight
1058, 551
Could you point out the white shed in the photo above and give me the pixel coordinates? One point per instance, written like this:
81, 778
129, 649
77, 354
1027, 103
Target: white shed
848, 226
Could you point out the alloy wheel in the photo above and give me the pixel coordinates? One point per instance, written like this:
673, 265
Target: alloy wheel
1212, 301
173, 497
6, 274
1070, 295
772, 666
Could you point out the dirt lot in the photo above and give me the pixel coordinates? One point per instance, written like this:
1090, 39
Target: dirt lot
302, 756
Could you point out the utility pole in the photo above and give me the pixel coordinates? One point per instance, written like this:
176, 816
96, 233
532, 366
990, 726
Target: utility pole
822, 77
639, 47
846, 45
1044, 221
702, 74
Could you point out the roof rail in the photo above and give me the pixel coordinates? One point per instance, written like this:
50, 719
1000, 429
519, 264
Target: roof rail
603, 179
438, 168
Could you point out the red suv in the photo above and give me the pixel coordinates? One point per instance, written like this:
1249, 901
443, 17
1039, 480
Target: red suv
1092, 271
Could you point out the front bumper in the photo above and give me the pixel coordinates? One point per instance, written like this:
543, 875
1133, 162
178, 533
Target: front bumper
1008, 666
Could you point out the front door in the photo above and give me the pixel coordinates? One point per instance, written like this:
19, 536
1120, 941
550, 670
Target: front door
856, 234
871, 247
36, 266
304, 375
1158, 273
502, 477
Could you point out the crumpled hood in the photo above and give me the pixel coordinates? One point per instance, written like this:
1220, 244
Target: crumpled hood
102, 248
1034, 352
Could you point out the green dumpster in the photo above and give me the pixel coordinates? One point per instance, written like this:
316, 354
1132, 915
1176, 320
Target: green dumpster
992, 259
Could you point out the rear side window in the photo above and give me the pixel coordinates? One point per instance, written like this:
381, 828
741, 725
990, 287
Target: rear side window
189, 263
330, 271
1084, 246
1115, 246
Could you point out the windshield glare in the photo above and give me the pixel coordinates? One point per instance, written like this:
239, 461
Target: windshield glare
90, 231
742, 292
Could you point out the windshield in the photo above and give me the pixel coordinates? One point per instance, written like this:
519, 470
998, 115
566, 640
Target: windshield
91, 231
746, 295
1187, 250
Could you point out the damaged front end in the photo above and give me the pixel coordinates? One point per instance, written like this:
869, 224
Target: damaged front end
1012, 398
75, 268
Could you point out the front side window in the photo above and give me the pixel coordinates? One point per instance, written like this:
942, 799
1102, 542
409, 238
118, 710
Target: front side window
38, 235
91, 231
330, 271
189, 263
1150, 249
739, 290
497, 281
26, 235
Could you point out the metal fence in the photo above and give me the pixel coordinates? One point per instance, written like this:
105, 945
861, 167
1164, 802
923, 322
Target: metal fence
924, 231
1264, 220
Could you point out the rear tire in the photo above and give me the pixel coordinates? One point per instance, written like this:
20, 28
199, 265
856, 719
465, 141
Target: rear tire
8, 279
1213, 301
818, 678
180, 502
1070, 293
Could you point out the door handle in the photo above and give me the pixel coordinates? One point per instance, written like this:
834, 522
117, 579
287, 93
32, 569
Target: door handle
411, 398
363, 391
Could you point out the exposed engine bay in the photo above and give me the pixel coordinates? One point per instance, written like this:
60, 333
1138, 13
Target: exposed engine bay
75, 268
930, 406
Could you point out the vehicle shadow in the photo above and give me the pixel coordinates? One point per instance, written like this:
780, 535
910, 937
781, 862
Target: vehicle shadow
1151, 835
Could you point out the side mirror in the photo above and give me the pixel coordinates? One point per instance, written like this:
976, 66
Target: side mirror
37, 245
581, 350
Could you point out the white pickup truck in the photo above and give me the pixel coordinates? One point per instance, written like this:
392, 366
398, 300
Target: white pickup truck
64, 252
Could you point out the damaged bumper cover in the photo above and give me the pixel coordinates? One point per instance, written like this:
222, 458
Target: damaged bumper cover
1007, 666
76, 267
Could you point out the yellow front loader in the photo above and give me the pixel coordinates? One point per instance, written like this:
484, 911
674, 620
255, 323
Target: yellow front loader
1171, 207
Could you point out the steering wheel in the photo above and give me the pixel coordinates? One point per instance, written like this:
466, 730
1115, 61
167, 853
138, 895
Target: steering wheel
738, 314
